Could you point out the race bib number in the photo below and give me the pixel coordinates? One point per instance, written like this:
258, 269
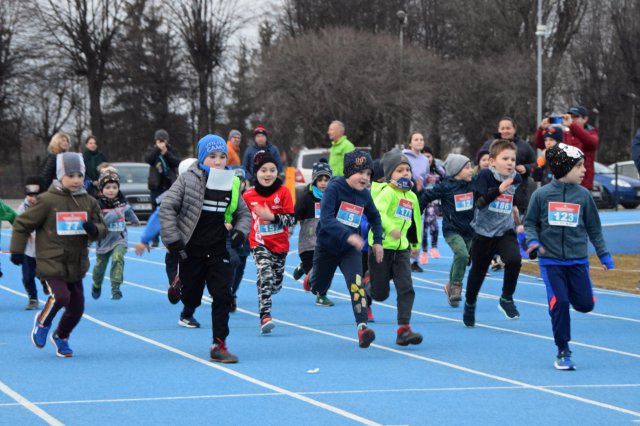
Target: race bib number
270, 228
503, 204
405, 210
463, 201
350, 214
118, 226
317, 210
564, 214
70, 223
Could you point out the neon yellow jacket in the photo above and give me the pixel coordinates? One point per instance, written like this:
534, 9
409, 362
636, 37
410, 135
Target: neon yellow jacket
336, 157
398, 210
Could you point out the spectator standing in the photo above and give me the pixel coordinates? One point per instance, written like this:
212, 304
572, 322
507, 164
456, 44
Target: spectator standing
60, 142
163, 163
233, 148
635, 149
580, 134
262, 143
340, 145
92, 159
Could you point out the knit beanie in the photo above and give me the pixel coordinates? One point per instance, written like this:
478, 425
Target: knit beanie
233, 133
391, 160
561, 158
68, 163
455, 163
321, 168
262, 158
185, 164
209, 144
355, 162
555, 131
260, 130
161, 134
481, 153
33, 185
108, 176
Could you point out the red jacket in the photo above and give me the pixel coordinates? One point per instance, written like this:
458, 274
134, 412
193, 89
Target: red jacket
585, 139
274, 236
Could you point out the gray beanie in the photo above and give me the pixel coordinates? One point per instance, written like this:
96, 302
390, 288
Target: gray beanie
391, 160
161, 134
233, 133
68, 163
455, 163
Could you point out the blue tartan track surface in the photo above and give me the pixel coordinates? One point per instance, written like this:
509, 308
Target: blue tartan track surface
133, 363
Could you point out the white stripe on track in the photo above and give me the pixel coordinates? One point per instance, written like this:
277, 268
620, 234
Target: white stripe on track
24, 402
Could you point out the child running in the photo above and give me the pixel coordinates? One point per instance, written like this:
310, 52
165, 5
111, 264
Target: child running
456, 195
272, 214
400, 216
494, 228
307, 211
116, 212
339, 243
198, 212
65, 218
562, 217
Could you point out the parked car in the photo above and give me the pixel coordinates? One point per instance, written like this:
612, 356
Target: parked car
133, 185
604, 188
626, 168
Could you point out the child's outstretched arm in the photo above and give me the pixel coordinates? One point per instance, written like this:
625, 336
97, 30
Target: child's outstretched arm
7, 213
594, 231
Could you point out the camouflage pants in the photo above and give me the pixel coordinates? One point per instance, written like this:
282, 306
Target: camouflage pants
270, 272
117, 267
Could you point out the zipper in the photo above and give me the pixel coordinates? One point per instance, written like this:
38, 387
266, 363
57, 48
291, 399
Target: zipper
564, 188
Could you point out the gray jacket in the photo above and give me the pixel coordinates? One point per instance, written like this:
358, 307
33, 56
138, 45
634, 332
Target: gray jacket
181, 207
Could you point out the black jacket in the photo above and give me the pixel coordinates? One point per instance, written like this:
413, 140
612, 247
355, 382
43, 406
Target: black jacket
163, 169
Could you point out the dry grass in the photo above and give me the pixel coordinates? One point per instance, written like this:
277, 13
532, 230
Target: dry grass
625, 277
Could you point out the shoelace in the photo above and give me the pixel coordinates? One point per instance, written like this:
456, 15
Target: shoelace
221, 346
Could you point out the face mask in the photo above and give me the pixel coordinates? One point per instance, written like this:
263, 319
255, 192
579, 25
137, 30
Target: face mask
403, 184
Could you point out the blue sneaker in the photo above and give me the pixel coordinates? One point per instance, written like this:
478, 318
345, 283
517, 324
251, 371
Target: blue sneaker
563, 361
39, 333
62, 346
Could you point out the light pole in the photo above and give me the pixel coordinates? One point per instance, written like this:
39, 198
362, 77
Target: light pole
541, 30
402, 19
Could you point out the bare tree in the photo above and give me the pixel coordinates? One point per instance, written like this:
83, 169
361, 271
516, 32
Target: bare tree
84, 31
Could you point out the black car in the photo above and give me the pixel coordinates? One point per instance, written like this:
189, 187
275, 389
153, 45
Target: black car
133, 185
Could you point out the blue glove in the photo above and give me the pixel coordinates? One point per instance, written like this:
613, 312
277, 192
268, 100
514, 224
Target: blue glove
534, 253
607, 261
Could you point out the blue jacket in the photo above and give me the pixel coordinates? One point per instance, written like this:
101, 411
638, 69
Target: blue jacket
247, 159
331, 232
564, 243
152, 230
454, 220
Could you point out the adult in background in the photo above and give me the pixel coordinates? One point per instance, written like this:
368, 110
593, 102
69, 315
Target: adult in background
233, 148
92, 159
340, 145
578, 133
163, 162
635, 149
261, 143
59, 143
418, 162
525, 159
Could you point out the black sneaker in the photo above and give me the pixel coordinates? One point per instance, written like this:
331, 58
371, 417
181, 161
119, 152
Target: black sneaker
469, 315
188, 322
509, 309
219, 353
407, 337
365, 336
416, 268
95, 292
298, 272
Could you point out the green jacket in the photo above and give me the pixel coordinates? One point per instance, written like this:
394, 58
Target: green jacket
6, 213
398, 210
336, 156
58, 255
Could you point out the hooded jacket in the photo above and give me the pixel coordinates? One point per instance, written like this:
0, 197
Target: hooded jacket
398, 210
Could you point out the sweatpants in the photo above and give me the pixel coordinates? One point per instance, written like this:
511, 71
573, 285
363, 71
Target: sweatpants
67, 295
482, 251
270, 273
396, 266
460, 248
117, 267
306, 259
215, 272
29, 277
171, 265
567, 285
325, 263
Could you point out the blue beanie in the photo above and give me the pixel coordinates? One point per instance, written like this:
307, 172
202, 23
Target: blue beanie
209, 144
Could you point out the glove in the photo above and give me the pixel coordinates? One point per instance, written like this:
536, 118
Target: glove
90, 228
17, 258
605, 259
177, 248
237, 238
535, 244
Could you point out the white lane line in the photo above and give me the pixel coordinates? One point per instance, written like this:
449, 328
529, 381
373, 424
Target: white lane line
24, 402
207, 363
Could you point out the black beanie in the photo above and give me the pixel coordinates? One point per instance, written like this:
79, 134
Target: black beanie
261, 158
554, 132
561, 158
33, 185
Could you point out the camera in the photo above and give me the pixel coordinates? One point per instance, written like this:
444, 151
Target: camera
555, 119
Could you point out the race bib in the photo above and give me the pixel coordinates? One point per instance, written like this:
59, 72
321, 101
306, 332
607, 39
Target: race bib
70, 223
463, 201
404, 210
317, 210
503, 204
350, 214
269, 228
118, 226
564, 214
